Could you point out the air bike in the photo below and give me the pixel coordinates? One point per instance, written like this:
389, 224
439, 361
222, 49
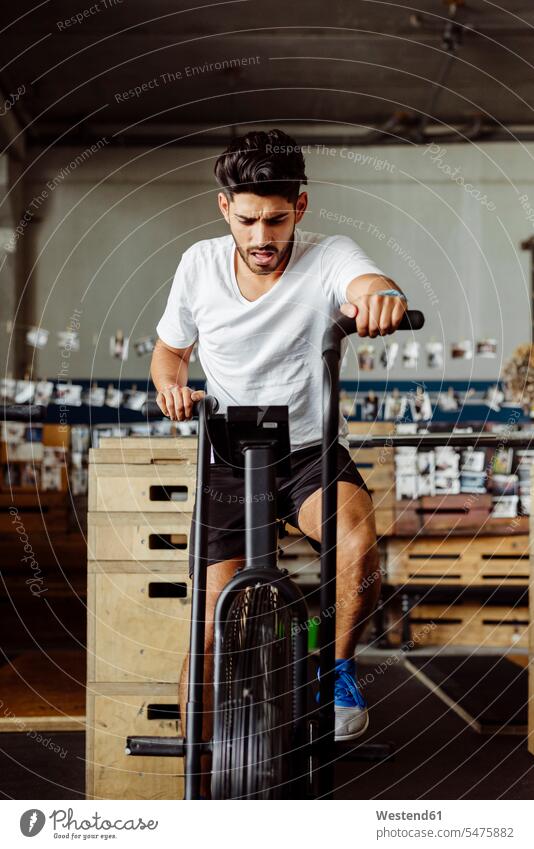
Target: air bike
271, 738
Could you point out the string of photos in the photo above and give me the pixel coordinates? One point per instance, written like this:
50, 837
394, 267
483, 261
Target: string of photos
45, 392
392, 406
65, 392
368, 355
420, 403
38, 337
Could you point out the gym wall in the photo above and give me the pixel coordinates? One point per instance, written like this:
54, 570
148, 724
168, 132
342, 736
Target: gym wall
444, 221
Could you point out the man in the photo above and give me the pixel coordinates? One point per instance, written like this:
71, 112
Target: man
258, 301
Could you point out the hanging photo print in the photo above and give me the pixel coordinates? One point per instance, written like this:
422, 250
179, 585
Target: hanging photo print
462, 350
449, 401
410, 354
144, 345
118, 346
7, 389
95, 396
69, 339
43, 392
366, 357
24, 392
487, 348
395, 405
37, 337
434, 354
420, 405
133, 399
493, 397
113, 396
69, 394
370, 406
388, 354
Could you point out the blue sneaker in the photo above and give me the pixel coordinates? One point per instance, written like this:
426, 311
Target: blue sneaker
352, 718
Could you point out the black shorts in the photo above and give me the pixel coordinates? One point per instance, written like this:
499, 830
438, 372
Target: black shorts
226, 532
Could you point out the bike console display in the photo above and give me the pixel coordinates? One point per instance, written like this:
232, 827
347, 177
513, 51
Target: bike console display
239, 428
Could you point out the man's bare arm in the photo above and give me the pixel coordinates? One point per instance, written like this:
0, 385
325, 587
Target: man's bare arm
169, 370
366, 284
374, 314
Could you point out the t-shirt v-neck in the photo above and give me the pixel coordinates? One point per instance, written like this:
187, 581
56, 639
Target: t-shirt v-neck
233, 276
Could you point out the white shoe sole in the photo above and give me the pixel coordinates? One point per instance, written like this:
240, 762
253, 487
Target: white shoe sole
353, 735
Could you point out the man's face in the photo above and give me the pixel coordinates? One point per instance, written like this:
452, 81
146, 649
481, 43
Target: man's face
262, 227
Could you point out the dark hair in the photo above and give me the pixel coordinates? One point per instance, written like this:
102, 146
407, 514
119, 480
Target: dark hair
262, 163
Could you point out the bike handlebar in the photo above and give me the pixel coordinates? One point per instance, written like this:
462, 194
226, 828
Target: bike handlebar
344, 325
341, 327
211, 405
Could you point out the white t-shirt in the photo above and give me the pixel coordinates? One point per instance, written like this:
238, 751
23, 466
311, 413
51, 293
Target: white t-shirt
266, 351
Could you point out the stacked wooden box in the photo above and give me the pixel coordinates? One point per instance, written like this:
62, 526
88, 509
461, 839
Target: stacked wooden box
141, 496
376, 466
465, 563
453, 514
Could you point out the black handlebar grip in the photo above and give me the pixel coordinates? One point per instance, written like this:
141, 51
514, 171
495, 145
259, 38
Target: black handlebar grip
343, 326
151, 410
412, 320
211, 405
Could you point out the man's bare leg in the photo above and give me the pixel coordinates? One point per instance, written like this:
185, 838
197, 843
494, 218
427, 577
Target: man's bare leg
358, 569
218, 576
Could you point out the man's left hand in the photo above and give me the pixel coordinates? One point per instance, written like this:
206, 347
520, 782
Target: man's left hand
376, 315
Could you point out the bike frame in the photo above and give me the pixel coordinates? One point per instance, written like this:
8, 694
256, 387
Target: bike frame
260, 567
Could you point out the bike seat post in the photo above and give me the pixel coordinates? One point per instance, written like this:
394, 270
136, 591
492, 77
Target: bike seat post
260, 506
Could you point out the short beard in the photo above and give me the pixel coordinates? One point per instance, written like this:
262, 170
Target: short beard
285, 253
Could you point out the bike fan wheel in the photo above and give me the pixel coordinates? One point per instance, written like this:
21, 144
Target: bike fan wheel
254, 717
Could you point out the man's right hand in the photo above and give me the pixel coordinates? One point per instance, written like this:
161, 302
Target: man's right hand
176, 401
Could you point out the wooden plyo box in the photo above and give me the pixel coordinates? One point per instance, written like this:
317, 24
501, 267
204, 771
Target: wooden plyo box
377, 468
144, 487
443, 513
113, 713
470, 624
141, 494
466, 561
139, 624
143, 537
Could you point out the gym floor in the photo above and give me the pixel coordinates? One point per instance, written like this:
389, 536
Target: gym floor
437, 755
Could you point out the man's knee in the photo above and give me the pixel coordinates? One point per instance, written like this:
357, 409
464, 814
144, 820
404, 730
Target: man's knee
358, 547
